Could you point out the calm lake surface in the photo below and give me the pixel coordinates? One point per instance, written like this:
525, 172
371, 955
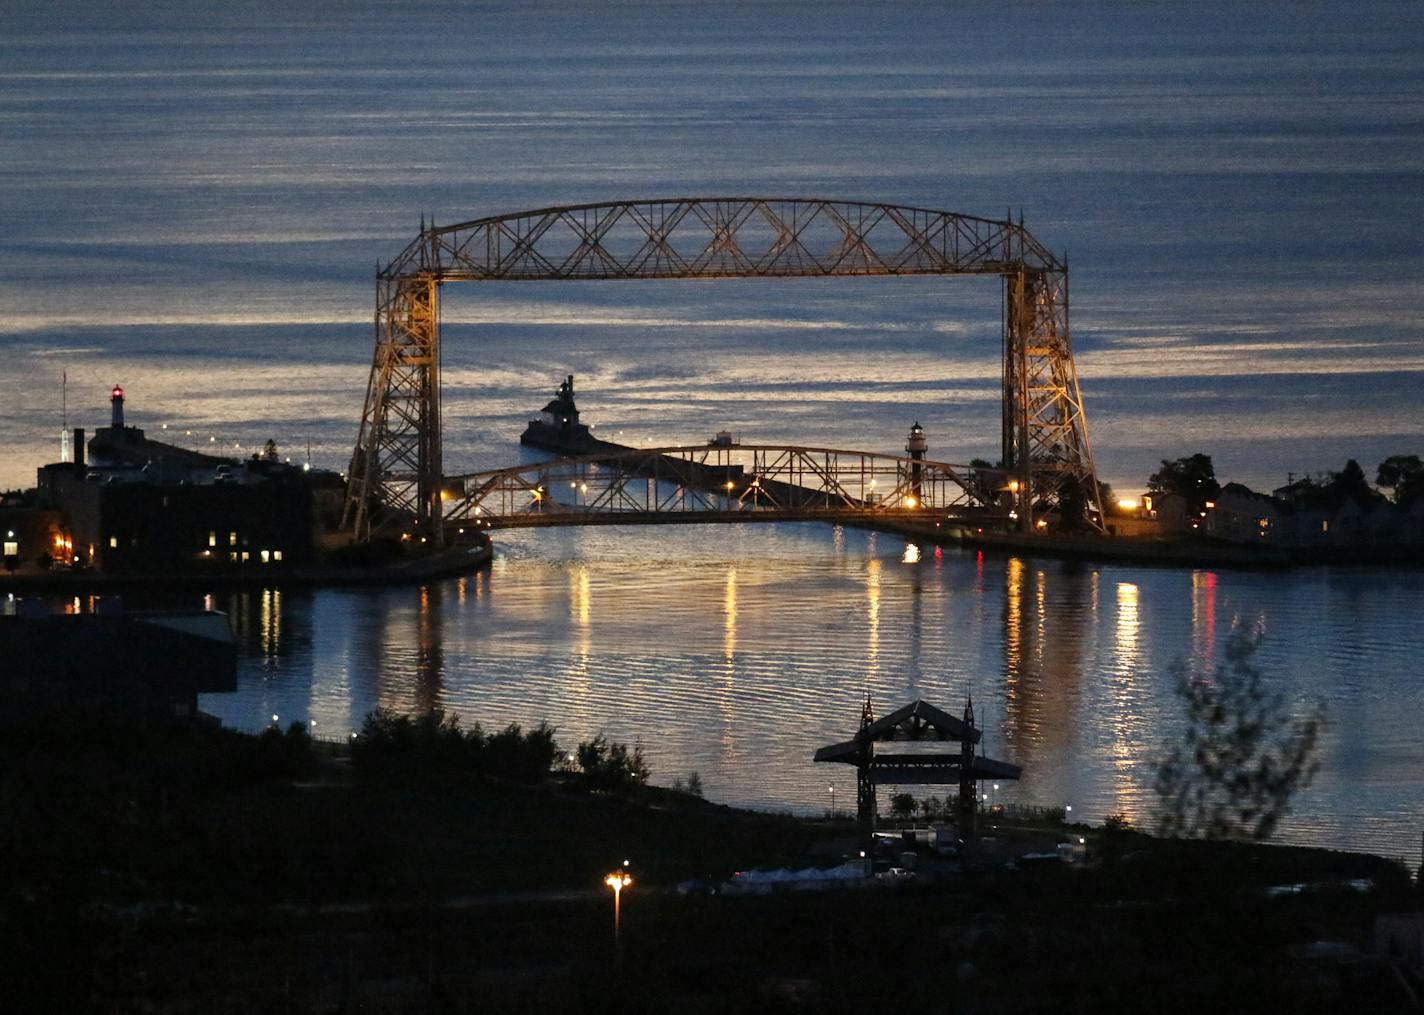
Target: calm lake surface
195, 196
736, 651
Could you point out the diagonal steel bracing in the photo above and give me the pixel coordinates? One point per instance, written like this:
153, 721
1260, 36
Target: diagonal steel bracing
397, 470
741, 483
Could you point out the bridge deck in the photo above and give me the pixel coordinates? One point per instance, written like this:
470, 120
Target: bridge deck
870, 519
720, 484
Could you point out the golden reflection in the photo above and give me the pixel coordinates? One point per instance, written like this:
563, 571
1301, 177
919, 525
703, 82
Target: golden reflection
271, 623
430, 649
1045, 620
726, 696
912, 554
1128, 628
580, 614
916, 634
578, 596
1013, 620
1123, 707
872, 618
729, 617
1040, 610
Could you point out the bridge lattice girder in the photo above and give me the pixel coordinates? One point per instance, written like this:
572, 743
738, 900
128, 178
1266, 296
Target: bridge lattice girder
398, 465
708, 483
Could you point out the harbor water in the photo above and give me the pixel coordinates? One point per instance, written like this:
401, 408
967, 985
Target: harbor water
736, 651
196, 196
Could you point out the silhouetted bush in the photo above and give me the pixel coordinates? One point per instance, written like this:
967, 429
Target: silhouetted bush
692, 786
1242, 757
607, 765
524, 757
435, 743
281, 754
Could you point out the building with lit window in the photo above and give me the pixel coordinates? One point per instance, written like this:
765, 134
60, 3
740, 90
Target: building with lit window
135, 505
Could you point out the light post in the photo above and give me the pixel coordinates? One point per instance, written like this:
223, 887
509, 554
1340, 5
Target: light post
833, 801
618, 880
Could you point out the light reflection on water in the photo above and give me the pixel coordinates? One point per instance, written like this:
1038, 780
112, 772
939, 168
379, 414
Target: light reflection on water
1212, 311
735, 651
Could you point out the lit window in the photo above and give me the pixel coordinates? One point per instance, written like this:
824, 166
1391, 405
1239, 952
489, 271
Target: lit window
113, 542
232, 539
12, 549
212, 539
276, 554
245, 556
266, 557
232, 556
1325, 525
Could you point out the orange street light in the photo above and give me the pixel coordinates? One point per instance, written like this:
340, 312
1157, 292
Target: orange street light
618, 881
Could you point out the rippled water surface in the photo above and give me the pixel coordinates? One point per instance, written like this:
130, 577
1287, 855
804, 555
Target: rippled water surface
195, 196
736, 651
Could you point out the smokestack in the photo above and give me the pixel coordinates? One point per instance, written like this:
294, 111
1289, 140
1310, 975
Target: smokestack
78, 446
116, 408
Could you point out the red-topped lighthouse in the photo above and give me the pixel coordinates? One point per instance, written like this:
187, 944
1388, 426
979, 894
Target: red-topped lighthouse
116, 408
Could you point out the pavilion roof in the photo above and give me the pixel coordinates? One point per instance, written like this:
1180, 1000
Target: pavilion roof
917, 721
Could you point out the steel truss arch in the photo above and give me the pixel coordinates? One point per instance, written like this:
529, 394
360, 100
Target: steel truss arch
397, 464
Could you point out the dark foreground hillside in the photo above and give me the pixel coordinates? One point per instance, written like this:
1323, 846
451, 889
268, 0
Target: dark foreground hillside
160, 868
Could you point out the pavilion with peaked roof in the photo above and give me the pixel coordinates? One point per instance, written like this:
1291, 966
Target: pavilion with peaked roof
918, 721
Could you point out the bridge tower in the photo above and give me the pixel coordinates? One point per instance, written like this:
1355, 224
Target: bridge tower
1045, 431
397, 467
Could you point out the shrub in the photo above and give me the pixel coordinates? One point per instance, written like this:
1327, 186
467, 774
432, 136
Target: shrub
607, 765
692, 787
1242, 757
435, 743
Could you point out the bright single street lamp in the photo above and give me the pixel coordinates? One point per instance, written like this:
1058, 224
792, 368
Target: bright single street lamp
618, 880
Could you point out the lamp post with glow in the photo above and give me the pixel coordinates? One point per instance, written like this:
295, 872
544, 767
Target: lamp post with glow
833, 801
618, 880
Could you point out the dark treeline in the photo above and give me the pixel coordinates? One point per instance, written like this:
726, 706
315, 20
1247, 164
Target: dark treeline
391, 744
1399, 479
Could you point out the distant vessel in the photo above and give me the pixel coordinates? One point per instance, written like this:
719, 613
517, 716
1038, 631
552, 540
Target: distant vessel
558, 429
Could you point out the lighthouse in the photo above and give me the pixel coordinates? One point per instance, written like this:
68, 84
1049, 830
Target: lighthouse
916, 447
116, 408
